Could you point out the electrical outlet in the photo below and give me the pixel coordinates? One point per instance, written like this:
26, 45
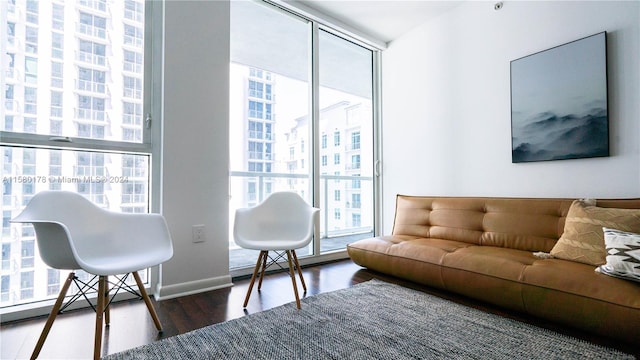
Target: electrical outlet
198, 233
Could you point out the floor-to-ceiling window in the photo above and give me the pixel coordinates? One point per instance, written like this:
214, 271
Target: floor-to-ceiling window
345, 134
302, 120
75, 95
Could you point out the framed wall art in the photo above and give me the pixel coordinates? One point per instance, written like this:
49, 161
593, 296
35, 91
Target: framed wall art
559, 102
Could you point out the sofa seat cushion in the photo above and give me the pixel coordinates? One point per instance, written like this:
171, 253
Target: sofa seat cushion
493, 261
487, 273
409, 257
498, 262
410, 247
581, 280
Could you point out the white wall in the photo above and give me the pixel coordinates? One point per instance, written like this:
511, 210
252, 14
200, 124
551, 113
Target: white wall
446, 103
195, 184
446, 116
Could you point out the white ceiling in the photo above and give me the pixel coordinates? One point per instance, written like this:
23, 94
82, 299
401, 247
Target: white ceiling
384, 20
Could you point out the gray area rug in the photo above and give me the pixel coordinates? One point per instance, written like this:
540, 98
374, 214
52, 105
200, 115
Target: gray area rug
371, 320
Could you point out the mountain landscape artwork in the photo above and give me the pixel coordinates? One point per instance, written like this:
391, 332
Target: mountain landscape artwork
559, 102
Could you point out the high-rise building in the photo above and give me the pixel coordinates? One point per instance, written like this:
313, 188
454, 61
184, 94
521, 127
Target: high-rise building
341, 164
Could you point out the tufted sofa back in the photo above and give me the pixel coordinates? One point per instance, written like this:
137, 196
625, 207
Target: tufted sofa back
530, 224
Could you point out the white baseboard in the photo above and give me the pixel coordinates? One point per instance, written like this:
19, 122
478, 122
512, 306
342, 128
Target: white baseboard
192, 287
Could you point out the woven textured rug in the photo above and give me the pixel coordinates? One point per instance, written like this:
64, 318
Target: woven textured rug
371, 320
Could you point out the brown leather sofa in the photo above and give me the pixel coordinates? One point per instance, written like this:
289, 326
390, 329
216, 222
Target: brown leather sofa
484, 248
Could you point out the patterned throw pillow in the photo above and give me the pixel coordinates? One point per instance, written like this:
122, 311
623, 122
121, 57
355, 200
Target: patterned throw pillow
623, 254
583, 238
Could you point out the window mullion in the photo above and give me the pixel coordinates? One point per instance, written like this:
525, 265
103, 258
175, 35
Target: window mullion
377, 141
71, 143
154, 12
315, 129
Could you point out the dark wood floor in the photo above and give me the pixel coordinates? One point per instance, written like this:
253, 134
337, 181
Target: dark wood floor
72, 334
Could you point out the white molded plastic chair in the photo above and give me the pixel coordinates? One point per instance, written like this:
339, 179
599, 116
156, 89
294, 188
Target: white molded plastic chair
282, 223
73, 233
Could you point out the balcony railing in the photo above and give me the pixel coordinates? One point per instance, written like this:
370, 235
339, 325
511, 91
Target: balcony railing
334, 233
91, 58
352, 146
132, 67
57, 82
267, 183
133, 41
10, 73
134, 199
88, 114
8, 201
132, 93
56, 111
134, 172
256, 155
91, 86
14, 43
99, 5
92, 31
130, 119
88, 171
133, 15
11, 105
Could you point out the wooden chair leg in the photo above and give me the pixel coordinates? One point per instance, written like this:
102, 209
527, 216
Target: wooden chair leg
147, 301
100, 309
107, 316
293, 279
253, 278
265, 258
52, 315
295, 260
